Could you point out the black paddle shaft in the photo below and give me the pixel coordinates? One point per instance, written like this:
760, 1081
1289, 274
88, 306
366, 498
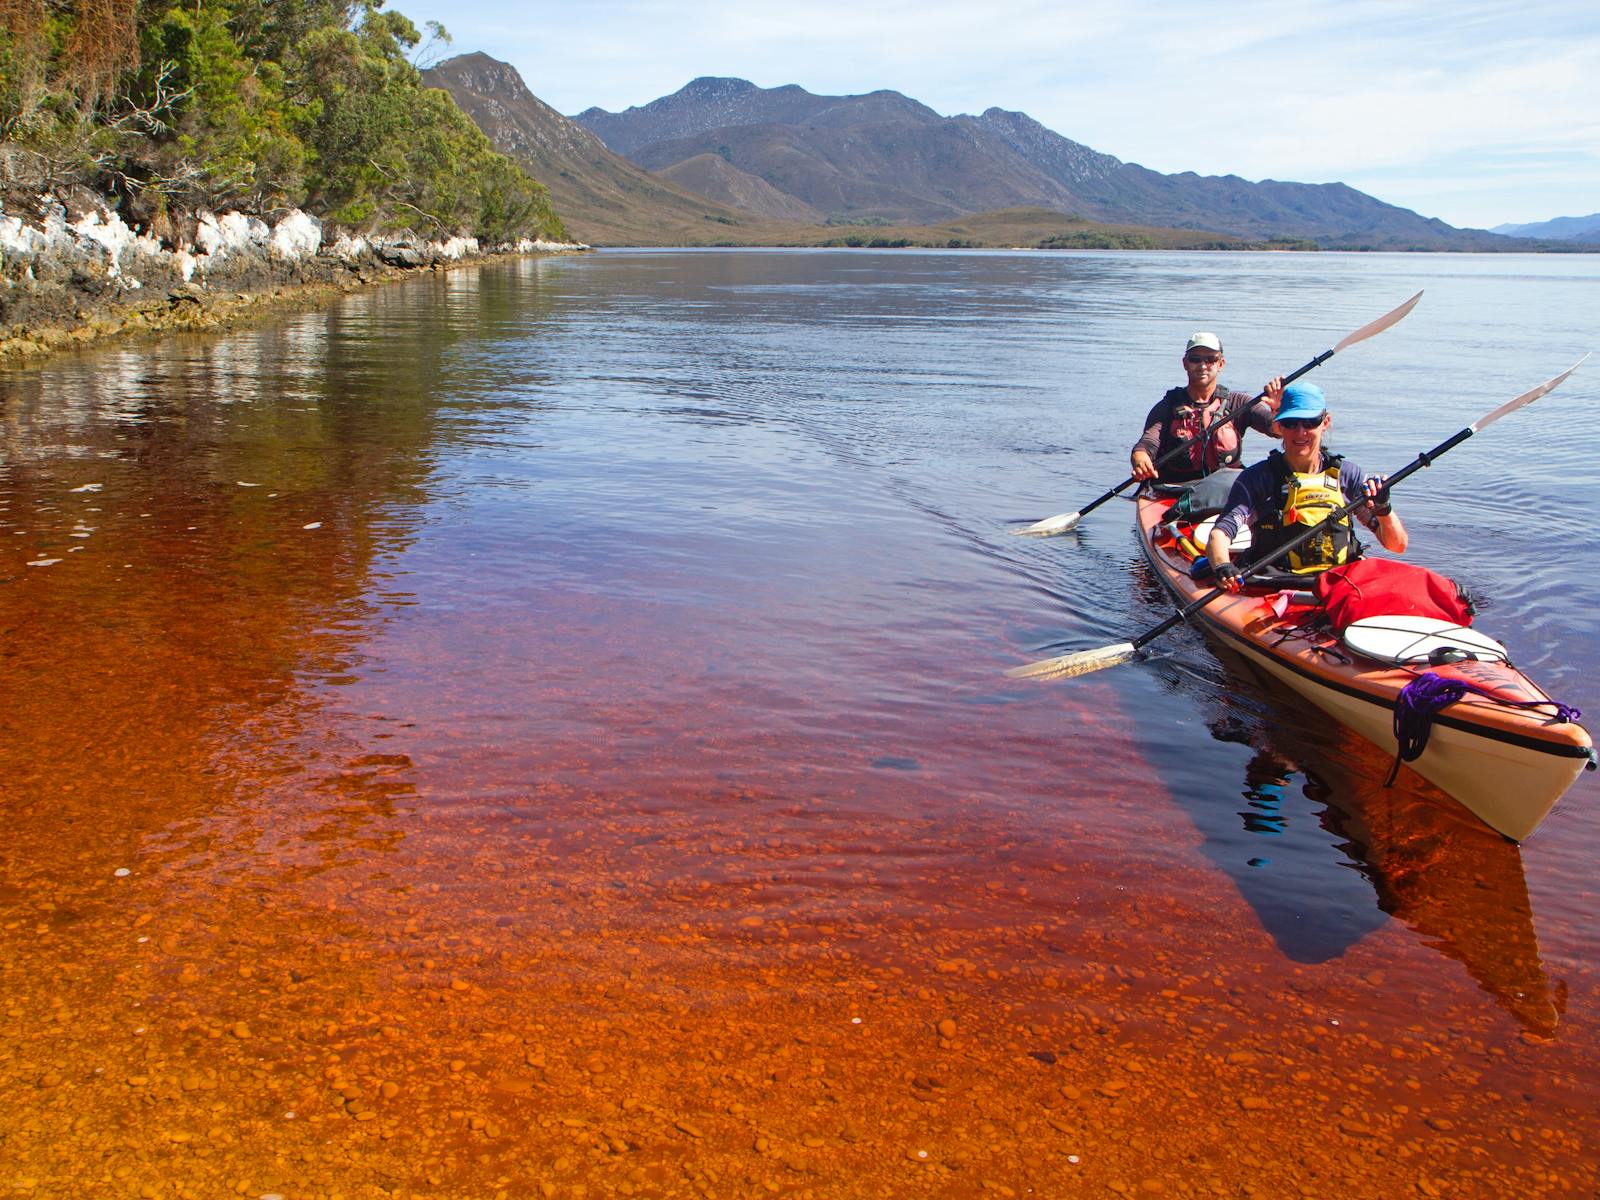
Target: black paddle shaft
1171, 454
1422, 460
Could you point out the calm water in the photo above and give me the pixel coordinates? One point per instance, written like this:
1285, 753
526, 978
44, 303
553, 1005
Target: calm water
621, 639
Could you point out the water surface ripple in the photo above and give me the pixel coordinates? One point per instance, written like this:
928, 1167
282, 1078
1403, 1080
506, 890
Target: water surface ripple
542, 730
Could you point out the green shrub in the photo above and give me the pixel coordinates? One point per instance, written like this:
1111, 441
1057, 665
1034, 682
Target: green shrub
307, 103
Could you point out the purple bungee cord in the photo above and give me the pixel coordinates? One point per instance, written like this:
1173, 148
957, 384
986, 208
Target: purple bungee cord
1421, 700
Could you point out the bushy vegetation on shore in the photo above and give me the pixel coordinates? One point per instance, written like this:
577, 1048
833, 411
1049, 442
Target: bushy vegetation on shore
170, 107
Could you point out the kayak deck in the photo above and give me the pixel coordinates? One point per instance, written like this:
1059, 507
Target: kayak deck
1509, 766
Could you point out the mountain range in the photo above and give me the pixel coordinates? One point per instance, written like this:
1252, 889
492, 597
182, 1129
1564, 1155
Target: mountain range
885, 157
725, 161
606, 200
1569, 229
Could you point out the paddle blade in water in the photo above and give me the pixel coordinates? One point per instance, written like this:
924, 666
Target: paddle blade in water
1083, 662
1051, 526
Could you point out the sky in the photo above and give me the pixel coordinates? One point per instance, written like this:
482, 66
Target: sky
1478, 113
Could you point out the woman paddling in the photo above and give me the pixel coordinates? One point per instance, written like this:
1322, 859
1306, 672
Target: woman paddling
1295, 488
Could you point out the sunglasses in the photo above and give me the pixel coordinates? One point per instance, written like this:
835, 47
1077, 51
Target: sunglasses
1299, 422
1207, 359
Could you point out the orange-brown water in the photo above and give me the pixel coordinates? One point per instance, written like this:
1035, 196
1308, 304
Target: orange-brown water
390, 812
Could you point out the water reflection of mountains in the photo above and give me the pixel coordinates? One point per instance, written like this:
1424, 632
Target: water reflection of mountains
1405, 852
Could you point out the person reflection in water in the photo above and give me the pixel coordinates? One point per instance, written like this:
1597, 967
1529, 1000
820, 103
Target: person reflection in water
1266, 782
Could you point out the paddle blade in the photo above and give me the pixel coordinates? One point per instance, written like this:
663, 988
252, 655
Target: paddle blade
1050, 526
1378, 326
1527, 397
1083, 662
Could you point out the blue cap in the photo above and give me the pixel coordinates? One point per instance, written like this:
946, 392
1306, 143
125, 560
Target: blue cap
1302, 400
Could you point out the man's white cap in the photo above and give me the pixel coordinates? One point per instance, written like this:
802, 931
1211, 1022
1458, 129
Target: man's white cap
1206, 341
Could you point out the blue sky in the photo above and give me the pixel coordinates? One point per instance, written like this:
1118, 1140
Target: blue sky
1477, 113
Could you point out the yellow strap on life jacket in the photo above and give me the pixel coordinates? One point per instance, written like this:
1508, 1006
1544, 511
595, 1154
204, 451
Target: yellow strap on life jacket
1312, 497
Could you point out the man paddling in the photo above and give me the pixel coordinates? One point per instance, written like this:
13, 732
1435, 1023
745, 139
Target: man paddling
1296, 488
1183, 415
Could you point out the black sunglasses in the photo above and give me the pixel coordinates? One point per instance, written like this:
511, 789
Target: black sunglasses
1208, 359
1299, 422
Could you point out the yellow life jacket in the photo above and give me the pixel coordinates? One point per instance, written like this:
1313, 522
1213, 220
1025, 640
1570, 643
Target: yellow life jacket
1305, 499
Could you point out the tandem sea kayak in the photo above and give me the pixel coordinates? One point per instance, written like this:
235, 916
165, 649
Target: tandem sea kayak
1505, 750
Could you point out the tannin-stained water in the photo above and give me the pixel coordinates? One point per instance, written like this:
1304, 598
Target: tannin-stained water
541, 730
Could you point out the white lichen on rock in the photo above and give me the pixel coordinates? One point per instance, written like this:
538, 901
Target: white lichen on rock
297, 236
64, 258
115, 238
231, 233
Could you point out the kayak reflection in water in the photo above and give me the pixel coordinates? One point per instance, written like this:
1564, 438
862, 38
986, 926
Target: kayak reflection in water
1185, 414
1457, 886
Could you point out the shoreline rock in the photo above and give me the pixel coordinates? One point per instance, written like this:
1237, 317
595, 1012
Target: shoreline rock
73, 275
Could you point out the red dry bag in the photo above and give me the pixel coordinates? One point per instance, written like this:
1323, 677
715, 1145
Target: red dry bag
1381, 587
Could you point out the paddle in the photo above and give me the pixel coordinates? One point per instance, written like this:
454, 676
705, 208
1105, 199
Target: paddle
1083, 662
1067, 522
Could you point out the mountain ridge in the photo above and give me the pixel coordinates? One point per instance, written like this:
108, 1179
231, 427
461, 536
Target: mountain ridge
1573, 229
880, 169
685, 112
882, 156
611, 201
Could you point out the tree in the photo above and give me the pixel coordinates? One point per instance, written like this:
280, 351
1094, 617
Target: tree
191, 104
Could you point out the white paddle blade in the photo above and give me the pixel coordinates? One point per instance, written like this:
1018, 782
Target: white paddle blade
1083, 662
1050, 526
1528, 397
1378, 326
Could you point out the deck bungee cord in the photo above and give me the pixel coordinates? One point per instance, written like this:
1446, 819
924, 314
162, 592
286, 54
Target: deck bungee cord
1429, 694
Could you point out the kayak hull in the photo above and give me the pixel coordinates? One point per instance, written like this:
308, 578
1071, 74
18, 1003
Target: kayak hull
1507, 766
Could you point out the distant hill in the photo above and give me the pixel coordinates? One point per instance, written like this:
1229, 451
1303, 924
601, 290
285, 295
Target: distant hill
716, 178
1030, 228
885, 157
1574, 229
604, 198
1333, 214
878, 172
